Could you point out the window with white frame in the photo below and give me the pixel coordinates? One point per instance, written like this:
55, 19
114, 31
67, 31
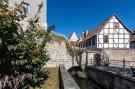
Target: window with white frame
25, 7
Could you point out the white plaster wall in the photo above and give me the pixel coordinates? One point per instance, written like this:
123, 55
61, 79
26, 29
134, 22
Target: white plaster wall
73, 37
114, 35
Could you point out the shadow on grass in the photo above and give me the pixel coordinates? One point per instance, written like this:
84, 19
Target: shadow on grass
37, 81
10, 80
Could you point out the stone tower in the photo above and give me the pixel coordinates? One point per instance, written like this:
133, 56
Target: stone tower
30, 8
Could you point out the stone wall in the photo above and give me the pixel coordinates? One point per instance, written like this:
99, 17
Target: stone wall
58, 54
110, 80
66, 81
116, 56
88, 57
33, 8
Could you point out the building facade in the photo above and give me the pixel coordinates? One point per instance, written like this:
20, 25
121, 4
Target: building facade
73, 39
112, 33
30, 8
132, 39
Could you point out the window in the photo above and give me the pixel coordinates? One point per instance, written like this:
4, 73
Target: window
83, 45
87, 43
93, 41
105, 38
116, 25
25, 8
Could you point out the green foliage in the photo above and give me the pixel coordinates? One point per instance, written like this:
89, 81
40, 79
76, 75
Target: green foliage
2, 5
70, 49
22, 54
59, 38
9, 28
82, 74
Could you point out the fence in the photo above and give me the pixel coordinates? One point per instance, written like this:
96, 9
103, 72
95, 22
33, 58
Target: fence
122, 67
122, 63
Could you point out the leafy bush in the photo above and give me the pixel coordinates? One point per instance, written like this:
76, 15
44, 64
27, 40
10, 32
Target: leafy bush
70, 49
22, 54
82, 74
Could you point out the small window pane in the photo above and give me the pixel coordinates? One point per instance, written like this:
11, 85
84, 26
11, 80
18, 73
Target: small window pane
116, 25
25, 8
105, 38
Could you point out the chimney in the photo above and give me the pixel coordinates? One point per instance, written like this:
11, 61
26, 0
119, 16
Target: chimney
85, 33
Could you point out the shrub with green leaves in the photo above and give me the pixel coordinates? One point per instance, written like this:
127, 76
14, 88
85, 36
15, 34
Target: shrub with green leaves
82, 74
22, 53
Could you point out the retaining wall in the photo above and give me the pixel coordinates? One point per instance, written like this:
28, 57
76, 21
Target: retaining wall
58, 54
110, 80
117, 55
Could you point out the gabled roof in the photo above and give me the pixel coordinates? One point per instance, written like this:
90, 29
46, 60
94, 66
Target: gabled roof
98, 28
70, 37
133, 32
122, 23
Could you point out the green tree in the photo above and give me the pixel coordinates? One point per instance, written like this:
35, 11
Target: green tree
22, 53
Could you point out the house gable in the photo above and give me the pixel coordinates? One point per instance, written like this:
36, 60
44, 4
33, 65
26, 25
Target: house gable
73, 37
109, 23
113, 34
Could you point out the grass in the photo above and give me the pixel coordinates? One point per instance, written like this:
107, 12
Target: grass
52, 82
53, 79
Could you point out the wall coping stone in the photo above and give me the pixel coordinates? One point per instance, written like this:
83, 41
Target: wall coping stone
66, 81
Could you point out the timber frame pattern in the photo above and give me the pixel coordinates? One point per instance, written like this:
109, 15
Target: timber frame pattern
115, 32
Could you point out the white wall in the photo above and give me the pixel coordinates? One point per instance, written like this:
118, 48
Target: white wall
73, 37
118, 38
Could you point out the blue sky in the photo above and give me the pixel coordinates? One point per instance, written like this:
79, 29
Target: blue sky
78, 15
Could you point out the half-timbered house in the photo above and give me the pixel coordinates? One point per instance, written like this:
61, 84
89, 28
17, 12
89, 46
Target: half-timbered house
132, 39
112, 33
73, 39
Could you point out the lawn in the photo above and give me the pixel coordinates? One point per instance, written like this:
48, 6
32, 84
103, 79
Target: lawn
52, 82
